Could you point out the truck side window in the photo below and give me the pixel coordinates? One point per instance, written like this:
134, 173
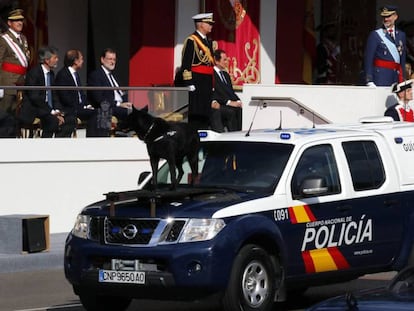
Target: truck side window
316, 173
365, 164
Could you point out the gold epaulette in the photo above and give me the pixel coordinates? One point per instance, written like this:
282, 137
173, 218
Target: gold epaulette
187, 75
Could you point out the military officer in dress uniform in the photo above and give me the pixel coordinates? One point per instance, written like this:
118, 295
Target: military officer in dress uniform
14, 60
402, 111
385, 51
197, 70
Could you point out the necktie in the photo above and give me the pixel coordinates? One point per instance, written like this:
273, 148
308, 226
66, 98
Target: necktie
19, 38
391, 32
78, 83
49, 92
223, 78
111, 77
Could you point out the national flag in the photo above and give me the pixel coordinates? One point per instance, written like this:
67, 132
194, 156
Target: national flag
236, 31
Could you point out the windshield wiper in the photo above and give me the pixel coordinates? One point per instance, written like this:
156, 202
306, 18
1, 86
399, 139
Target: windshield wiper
228, 188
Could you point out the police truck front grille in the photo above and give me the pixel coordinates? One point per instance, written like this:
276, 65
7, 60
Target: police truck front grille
94, 228
129, 231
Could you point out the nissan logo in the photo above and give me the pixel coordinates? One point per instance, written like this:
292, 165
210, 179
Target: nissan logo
129, 232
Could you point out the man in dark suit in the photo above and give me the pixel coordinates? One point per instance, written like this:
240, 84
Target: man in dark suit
197, 71
107, 102
385, 51
226, 105
43, 104
73, 102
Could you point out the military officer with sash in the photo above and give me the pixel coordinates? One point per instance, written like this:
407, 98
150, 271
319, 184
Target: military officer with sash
385, 51
14, 60
197, 70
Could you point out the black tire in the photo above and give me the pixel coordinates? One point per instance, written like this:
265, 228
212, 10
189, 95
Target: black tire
253, 281
92, 302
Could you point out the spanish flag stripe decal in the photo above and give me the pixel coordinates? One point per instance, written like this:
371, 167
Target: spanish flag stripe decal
340, 260
307, 259
292, 216
309, 213
301, 214
324, 259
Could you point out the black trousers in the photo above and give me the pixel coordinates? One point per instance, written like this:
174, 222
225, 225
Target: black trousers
226, 117
50, 125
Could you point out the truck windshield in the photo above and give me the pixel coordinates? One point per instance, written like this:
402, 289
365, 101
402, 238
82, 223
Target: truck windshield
248, 165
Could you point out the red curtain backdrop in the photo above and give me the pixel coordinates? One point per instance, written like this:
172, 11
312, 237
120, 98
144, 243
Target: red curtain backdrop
290, 30
152, 42
309, 43
237, 32
151, 60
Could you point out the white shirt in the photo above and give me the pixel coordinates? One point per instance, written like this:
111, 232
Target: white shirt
201, 35
73, 73
16, 34
45, 72
117, 94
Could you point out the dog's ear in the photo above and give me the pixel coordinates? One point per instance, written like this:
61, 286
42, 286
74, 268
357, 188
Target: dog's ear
145, 109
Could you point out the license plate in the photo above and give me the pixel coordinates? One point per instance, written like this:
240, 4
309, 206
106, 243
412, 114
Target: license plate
127, 277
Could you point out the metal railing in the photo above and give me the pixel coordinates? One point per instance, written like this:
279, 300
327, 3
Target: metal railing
291, 102
170, 103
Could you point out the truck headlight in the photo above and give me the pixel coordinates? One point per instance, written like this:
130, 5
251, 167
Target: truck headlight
201, 230
81, 227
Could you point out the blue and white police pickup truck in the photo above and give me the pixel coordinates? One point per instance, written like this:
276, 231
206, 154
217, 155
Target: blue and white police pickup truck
271, 211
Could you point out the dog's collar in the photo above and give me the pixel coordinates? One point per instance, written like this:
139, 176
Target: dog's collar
149, 130
170, 133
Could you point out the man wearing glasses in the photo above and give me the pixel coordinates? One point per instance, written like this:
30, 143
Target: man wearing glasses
107, 103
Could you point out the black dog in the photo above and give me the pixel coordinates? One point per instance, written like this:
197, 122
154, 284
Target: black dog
171, 141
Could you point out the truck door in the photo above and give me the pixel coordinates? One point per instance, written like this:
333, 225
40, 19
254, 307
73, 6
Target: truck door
333, 227
315, 221
373, 204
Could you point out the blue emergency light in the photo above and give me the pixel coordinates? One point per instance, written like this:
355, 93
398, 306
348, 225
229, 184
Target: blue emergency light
285, 136
202, 134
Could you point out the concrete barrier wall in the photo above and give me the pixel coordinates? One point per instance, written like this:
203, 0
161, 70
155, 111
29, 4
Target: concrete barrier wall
58, 177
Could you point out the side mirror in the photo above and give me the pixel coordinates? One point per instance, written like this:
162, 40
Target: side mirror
312, 186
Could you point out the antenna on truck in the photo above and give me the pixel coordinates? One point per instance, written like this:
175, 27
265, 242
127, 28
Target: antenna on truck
254, 116
313, 119
280, 120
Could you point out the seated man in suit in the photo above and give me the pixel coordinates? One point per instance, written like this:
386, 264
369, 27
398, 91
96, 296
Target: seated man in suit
106, 102
73, 102
43, 104
226, 105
